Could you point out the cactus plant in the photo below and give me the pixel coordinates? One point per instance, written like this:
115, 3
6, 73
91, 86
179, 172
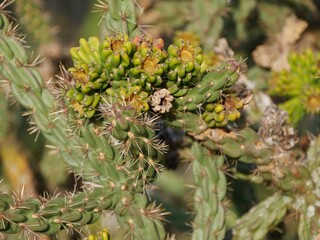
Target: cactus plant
103, 114
300, 85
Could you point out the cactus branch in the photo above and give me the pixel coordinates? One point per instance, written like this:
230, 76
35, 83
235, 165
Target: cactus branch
260, 219
48, 216
209, 221
120, 16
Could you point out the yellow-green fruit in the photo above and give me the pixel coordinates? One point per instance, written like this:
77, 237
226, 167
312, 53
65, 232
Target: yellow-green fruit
218, 108
149, 63
103, 235
184, 61
117, 51
220, 117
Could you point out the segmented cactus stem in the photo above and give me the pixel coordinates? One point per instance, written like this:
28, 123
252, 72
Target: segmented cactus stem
48, 216
211, 182
260, 219
121, 17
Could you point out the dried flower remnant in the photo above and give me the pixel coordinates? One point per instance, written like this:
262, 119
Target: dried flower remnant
273, 54
161, 101
274, 129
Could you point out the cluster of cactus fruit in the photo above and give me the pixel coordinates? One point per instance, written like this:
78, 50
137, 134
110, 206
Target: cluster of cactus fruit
103, 117
142, 74
103, 235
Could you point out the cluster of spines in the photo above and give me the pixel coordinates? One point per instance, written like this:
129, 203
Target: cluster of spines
136, 138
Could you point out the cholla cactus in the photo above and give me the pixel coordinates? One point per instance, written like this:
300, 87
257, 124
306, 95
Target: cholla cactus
102, 117
300, 85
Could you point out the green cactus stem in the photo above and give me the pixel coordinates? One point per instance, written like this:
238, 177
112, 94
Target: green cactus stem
211, 183
4, 128
307, 204
48, 216
260, 219
121, 16
278, 165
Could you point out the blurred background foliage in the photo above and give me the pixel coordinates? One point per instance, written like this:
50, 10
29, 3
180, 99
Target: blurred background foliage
278, 39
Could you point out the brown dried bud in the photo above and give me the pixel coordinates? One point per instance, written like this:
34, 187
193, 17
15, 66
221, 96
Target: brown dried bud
274, 129
161, 101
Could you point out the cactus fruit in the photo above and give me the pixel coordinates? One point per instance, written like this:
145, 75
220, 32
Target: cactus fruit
148, 61
102, 235
142, 74
218, 114
184, 62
